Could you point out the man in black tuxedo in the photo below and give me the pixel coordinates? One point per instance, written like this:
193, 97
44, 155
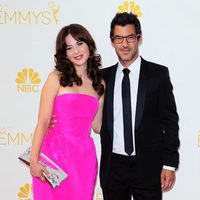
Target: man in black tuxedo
139, 134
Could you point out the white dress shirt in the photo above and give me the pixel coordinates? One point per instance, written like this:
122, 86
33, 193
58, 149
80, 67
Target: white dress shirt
118, 136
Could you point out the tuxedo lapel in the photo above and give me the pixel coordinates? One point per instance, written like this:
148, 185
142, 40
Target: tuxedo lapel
141, 93
110, 83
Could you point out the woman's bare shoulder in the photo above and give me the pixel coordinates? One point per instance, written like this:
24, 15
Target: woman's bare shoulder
104, 83
54, 75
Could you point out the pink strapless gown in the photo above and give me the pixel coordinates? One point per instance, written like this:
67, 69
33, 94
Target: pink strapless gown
70, 146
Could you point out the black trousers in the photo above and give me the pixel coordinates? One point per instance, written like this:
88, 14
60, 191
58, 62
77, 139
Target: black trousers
124, 182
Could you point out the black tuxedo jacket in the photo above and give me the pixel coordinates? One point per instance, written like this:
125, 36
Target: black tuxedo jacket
156, 123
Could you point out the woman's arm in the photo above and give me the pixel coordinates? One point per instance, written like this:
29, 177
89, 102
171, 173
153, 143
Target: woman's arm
48, 94
97, 121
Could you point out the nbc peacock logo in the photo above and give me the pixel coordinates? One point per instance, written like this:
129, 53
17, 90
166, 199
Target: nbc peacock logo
130, 6
25, 192
28, 80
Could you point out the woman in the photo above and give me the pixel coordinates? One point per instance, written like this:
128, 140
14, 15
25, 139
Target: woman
73, 93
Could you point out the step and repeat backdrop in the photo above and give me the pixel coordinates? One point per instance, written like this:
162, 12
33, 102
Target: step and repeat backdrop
28, 30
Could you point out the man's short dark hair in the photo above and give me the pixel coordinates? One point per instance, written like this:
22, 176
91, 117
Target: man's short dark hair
123, 19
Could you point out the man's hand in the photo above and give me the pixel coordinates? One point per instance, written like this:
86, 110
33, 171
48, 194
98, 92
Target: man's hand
52, 122
167, 179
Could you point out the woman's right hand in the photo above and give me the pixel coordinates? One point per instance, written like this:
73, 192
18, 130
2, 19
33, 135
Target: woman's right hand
37, 170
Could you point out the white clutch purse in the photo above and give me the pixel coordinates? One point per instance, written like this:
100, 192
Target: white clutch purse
56, 175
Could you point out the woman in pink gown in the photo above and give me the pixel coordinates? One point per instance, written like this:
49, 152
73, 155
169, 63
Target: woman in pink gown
73, 95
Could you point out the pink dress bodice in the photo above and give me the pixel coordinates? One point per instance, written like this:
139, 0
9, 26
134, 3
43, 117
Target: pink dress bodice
74, 113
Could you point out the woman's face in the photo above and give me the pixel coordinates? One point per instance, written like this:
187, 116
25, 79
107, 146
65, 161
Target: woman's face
77, 51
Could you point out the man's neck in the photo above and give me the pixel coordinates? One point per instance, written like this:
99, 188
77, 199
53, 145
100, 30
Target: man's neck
126, 64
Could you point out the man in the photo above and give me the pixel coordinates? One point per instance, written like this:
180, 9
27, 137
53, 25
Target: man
139, 134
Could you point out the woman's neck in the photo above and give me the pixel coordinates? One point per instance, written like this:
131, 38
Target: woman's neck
81, 71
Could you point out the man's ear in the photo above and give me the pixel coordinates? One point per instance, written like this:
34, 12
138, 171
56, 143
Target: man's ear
111, 42
140, 39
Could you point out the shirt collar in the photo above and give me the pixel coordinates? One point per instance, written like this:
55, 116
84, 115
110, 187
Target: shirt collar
134, 67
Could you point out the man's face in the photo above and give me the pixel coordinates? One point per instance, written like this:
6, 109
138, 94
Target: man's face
126, 48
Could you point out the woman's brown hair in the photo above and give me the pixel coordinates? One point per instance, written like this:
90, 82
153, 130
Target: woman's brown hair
66, 68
